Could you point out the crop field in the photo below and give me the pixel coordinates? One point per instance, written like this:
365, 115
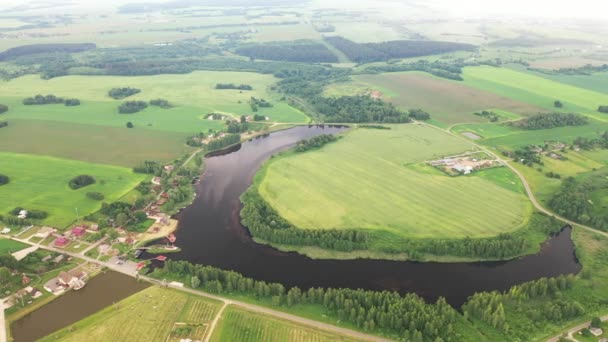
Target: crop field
193, 96
362, 182
538, 91
39, 182
448, 101
245, 326
10, 246
91, 143
149, 315
596, 82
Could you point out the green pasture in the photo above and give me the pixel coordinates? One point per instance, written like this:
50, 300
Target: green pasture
193, 96
91, 143
242, 325
366, 180
539, 91
10, 246
39, 182
449, 102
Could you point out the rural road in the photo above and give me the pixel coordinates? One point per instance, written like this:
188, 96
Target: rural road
226, 301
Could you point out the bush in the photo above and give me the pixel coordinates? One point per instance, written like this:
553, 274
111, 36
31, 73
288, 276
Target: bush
4, 179
130, 124
3, 124
131, 107
121, 93
3, 108
419, 114
81, 181
602, 109
97, 196
72, 102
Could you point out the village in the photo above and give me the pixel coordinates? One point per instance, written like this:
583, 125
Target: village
465, 164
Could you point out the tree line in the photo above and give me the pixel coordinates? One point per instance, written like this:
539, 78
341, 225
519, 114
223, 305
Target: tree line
550, 120
315, 142
25, 50
233, 86
591, 143
121, 93
289, 52
376, 52
408, 316
49, 99
357, 109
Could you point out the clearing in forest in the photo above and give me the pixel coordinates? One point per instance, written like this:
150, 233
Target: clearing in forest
379, 180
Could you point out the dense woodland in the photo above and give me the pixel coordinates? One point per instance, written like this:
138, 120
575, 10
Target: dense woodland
25, 50
376, 52
358, 109
408, 316
289, 52
550, 120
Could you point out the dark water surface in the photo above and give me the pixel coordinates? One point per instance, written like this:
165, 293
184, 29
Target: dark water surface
210, 233
101, 291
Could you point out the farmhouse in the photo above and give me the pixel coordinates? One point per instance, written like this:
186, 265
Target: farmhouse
596, 331
61, 242
44, 232
78, 231
156, 180
6, 230
22, 214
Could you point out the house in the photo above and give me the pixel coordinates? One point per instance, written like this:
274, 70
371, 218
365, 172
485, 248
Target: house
59, 258
25, 280
44, 232
61, 242
463, 169
78, 231
94, 227
6, 230
156, 180
596, 331
47, 258
72, 279
22, 214
169, 168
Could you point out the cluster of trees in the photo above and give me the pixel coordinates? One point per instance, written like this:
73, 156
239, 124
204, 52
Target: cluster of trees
121, 214
162, 103
130, 107
407, 316
237, 127
452, 71
3, 109
151, 167
489, 306
527, 156
315, 142
376, 52
257, 117
121, 93
97, 196
261, 103
358, 109
219, 143
4, 179
233, 86
493, 117
419, 114
289, 52
31, 214
574, 200
550, 120
558, 104
265, 223
49, 99
3, 124
44, 48
590, 143
552, 174
602, 109
374, 127
81, 181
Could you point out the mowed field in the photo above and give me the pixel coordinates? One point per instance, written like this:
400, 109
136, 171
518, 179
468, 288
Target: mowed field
448, 101
91, 143
535, 90
375, 180
244, 326
149, 316
193, 96
39, 182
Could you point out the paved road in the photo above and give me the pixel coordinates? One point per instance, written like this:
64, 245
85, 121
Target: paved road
573, 330
255, 308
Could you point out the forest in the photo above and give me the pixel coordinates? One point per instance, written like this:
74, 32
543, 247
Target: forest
550, 120
358, 109
377, 52
289, 52
408, 316
44, 48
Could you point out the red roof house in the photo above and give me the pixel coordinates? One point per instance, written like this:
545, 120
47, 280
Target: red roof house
78, 231
161, 258
61, 241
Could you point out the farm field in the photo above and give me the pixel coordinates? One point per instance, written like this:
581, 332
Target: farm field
149, 315
41, 183
10, 246
244, 326
91, 143
455, 104
596, 82
538, 91
193, 96
371, 180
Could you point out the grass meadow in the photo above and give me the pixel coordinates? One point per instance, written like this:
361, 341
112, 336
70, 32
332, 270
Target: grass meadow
10, 246
373, 179
241, 325
193, 96
449, 102
149, 315
91, 143
39, 182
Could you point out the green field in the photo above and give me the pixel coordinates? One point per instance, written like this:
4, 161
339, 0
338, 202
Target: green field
539, 91
245, 326
10, 246
448, 101
371, 179
149, 315
91, 143
193, 96
41, 183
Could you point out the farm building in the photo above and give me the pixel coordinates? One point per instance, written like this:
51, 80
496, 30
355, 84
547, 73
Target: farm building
44, 232
78, 231
61, 242
596, 331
